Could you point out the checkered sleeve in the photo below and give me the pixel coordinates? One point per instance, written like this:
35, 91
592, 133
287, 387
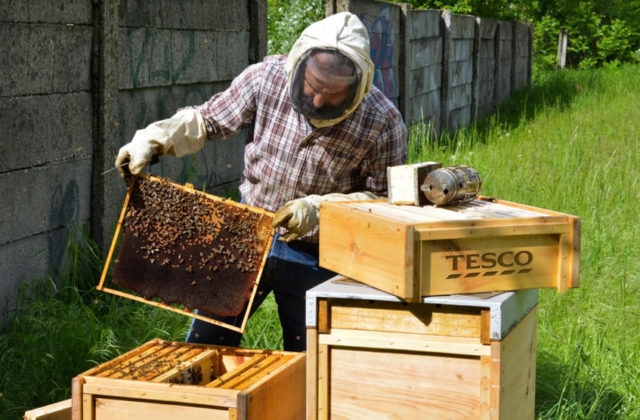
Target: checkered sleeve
390, 150
227, 112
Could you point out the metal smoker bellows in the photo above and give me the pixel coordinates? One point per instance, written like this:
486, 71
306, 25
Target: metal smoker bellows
454, 184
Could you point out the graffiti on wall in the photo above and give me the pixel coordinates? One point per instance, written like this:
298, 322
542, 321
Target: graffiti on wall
382, 43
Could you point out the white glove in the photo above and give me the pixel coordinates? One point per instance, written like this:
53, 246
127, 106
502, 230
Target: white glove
180, 135
301, 215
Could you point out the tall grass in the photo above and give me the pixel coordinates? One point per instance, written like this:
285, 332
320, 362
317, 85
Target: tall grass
571, 143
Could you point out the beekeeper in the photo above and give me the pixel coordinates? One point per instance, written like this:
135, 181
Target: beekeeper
321, 132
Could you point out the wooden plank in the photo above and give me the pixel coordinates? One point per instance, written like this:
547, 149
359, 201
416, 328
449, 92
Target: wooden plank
403, 385
172, 309
575, 263
401, 341
263, 370
88, 407
114, 241
324, 314
312, 374
324, 381
518, 370
121, 409
233, 414
185, 394
485, 326
417, 318
366, 246
60, 410
77, 385
248, 364
430, 234
486, 388
278, 396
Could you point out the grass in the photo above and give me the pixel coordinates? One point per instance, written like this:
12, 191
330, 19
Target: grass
570, 142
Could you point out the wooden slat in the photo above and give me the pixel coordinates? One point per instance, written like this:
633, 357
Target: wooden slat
486, 387
324, 314
114, 241
255, 372
172, 309
312, 374
56, 411
120, 409
410, 342
219, 382
186, 394
88, 407
324, 381
485, 326
430, 234
77, 385
417, 318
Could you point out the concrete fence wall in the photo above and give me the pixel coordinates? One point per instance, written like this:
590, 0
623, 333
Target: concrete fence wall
445, 69
79, 78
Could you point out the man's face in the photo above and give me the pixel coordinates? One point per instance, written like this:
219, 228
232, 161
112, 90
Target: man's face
323, 96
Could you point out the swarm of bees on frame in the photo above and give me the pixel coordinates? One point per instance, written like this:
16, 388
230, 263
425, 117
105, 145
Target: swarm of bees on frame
170, 220
186, 247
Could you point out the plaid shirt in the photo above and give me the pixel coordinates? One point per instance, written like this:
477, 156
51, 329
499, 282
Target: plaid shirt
288, 157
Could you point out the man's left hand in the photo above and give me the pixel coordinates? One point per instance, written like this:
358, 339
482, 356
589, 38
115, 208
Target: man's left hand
301, 215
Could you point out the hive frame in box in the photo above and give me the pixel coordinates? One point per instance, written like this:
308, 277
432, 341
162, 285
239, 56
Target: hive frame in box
410, 251
220, 383
188, 188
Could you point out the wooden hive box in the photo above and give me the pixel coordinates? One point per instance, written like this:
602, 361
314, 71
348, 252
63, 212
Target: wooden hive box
480, 246
372, 356
168, 380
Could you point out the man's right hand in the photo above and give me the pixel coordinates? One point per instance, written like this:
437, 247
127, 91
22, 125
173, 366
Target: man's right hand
134, 156
180, 135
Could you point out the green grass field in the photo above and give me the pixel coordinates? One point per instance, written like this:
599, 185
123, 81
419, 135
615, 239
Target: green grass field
570, 142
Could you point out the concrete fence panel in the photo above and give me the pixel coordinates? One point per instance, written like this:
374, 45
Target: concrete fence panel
485, 67
423, 67
79, 78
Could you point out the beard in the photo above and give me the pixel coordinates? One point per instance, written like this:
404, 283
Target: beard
304, 104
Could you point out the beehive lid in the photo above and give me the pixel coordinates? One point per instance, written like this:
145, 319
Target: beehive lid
180, 246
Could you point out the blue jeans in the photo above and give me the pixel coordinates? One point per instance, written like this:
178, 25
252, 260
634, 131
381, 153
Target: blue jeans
291, 269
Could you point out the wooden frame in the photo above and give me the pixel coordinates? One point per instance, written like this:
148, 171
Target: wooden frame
188, 188
445, 368
244, 384
420, 251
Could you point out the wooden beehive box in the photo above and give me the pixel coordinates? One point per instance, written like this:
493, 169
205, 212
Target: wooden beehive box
182, 250
168, 380
480, 246
372, 356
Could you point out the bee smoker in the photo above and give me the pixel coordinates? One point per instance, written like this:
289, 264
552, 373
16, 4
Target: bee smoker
453, 184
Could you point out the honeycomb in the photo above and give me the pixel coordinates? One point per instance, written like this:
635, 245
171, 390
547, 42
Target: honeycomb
190, 248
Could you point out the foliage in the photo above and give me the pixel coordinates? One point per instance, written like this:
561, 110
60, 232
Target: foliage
600, 32
287, 19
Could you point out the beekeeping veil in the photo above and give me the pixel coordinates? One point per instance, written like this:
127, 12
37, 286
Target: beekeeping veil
344, 39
